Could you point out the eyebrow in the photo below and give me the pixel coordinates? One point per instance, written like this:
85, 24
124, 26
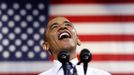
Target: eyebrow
57, 23
66, 22
53, 24
69, 23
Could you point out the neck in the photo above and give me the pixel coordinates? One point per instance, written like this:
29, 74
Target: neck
72, 55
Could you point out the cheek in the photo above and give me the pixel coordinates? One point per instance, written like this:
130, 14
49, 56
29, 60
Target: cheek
52, 34
70, 28
51, 38
74, 32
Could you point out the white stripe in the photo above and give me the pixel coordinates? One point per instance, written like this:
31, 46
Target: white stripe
24, 67
91, 9
108, 47
37, 67
105, 28
115, 66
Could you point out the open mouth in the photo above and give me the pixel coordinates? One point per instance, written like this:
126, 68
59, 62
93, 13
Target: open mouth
64, 35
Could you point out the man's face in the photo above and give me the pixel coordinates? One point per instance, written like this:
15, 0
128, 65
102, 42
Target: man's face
61, 35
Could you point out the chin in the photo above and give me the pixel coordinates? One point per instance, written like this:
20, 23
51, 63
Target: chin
68, 44
69, 47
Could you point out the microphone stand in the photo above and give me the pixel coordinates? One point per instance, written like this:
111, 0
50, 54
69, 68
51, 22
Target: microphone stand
85, 57
85, 68
64, 68
64, 57
74, 71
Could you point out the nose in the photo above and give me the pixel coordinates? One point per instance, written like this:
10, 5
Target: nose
62, 27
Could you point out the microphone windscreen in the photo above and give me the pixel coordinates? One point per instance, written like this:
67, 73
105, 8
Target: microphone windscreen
64, 56
85, 56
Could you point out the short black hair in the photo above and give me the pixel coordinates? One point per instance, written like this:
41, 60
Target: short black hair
45, 30
45, 34
45, 39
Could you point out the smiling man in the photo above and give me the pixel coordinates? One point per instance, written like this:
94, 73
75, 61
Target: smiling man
60, 35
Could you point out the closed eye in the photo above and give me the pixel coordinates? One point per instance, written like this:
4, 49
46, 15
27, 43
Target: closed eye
54, 25
68, 23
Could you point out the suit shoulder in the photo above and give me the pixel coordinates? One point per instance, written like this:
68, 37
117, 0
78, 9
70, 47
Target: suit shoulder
48, 72
99, 71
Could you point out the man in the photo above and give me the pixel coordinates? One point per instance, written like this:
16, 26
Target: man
60, 35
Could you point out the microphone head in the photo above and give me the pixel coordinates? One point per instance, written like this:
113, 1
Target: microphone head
85, 56
64, 56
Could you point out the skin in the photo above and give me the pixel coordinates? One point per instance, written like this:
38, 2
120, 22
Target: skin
54, 28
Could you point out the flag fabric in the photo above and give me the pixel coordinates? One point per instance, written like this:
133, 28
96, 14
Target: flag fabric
22, 25
106, 28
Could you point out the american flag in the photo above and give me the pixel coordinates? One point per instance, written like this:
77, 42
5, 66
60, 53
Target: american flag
105, 27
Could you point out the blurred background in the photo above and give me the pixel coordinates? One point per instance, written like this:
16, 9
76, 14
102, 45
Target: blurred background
105, 27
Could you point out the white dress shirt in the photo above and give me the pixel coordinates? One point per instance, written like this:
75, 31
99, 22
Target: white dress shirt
57, 70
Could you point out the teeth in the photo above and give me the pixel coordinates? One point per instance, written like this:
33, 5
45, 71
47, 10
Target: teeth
62, 34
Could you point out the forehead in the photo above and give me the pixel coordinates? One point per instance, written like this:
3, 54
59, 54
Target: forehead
57, 20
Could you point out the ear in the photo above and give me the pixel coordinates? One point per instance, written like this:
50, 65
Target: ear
45, 46
78, 42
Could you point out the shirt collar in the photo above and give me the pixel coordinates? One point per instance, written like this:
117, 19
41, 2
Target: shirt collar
58, 64
74, 61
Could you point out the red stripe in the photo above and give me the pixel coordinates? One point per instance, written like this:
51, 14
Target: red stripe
38, 73
89, 1
122, 73
112, 57
112, 18
98, 38
19, 73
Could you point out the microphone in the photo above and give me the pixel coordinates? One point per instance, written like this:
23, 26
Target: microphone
64, 57
85, 57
